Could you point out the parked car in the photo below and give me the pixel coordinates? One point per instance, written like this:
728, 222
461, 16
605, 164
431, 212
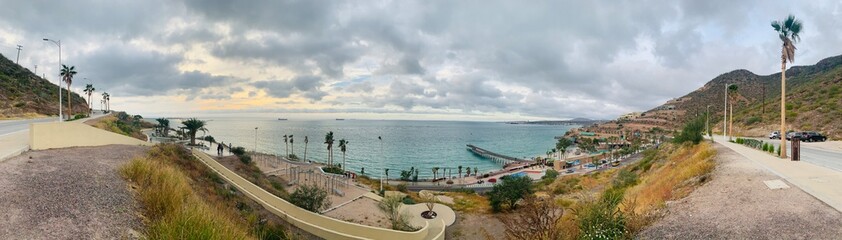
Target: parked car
790, 134
615, 163
775, 135
812, 137
570, 170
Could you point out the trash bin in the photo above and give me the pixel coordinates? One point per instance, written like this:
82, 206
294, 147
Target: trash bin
796, 149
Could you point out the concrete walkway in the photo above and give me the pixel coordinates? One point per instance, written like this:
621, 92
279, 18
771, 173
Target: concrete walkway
821, 182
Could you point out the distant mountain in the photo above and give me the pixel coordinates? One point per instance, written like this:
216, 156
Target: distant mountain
23, 94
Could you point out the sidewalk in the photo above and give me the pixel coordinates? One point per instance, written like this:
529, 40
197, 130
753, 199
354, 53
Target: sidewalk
13, 144
821, 182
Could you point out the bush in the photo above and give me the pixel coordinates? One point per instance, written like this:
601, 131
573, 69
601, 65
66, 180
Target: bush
246, 159
602, 219
752, 120
778, 152
551, 174
390, 206
333, 169
509, 191
408, 200
239, 151
625, 178
402, 187
310, 197
692, 132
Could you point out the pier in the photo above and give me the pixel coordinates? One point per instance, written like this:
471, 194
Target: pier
496, 157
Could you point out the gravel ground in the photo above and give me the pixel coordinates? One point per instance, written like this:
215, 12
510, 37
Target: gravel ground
736, 204
70, 193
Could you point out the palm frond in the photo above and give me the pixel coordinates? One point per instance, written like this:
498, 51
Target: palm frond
776, 25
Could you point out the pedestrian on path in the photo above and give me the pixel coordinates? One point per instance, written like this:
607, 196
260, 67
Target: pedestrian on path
219, 149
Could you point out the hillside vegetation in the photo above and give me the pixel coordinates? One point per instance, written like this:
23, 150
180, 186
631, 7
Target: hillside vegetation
814, 96
25, 95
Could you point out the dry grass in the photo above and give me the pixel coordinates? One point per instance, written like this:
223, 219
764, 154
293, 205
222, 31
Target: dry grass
173, 210
683, 169
469, 202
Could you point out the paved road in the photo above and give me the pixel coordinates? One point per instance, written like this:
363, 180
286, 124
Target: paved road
10, 126
823, 157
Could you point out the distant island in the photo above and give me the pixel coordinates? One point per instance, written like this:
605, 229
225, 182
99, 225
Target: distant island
575, 121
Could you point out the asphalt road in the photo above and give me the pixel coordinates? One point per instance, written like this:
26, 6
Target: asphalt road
11, 126
822, 157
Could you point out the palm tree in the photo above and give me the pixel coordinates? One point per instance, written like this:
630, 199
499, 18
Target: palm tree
286, 145
468, 172
460, 171
67, 74
105, 98
476, 171
164, 126
342, 147
732, 94
387, 176
292, 145
306, 141
329, 142
435, 173
194, 125
788, 31
89, 89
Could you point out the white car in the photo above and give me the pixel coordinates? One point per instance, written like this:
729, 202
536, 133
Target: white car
775, 135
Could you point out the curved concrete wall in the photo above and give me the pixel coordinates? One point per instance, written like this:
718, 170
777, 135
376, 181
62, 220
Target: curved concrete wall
74, 134
314, 223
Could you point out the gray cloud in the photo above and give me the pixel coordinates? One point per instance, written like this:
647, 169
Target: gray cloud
550, 59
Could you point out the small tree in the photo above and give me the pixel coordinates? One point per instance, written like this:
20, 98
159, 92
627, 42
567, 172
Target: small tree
692, 132
509, 191
538, 219
391, 207
430, 202
310, 197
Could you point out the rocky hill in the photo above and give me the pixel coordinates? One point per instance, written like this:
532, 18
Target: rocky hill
814, 97
813, 100
23, 94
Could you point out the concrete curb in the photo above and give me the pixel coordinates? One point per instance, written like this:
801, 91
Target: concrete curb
14, 153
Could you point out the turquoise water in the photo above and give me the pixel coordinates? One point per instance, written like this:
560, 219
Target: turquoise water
405, 144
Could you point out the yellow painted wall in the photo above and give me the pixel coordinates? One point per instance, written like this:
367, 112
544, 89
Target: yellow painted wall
74, 134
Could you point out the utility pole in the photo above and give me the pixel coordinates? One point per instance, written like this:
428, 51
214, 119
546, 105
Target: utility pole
17, 59
35, 70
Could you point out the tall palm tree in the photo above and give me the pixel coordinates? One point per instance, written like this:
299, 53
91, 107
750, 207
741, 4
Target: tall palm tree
387, 176
732, 94
460, 171
342, 147
89, 89
292, 144
67, 74
329, 142
476, 171
286, 145
104, 99
194, 125
788, 31
435, 173
468, 172
306, 141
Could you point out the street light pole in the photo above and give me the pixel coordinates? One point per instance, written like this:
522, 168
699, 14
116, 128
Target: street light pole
255, 139
58, 43
725, 120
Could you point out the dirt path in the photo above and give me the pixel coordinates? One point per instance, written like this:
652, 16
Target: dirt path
736, 204
71, 193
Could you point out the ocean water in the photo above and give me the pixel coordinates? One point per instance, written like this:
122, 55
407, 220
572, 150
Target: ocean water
405, 144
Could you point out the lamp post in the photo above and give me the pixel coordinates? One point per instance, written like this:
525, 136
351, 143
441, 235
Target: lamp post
381, 161
255, 139
58, 43
725, 120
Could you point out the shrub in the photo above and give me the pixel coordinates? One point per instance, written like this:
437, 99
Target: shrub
408, 200
538, 219
752, 120
246, 159
625, 178
402, 187
333, 169
509, 191
778, 152
310, 197
692, 132
551, 174
602, 219
391, 207
238, 151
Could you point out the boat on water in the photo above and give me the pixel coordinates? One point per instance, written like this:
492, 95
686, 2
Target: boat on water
340, 119
282, 119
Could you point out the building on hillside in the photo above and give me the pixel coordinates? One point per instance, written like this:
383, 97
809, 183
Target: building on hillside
630, 116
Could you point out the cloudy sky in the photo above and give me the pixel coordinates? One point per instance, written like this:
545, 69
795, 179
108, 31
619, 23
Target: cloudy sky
479, 60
